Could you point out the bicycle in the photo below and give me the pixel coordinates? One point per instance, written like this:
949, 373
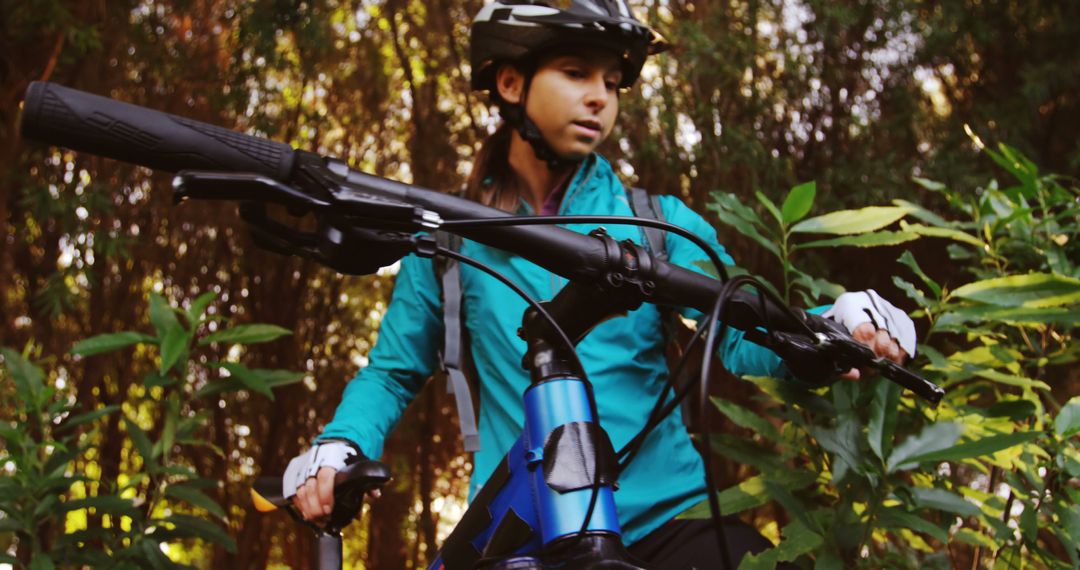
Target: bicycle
550, 503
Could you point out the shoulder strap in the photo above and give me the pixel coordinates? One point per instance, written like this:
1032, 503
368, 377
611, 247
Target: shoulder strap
646, 206
448, 272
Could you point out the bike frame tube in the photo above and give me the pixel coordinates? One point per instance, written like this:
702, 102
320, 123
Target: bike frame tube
518, 513
547, 406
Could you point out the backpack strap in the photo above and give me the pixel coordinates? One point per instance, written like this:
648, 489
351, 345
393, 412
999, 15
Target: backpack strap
646, 206
452, 358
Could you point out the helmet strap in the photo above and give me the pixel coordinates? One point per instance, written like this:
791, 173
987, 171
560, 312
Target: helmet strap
514, 114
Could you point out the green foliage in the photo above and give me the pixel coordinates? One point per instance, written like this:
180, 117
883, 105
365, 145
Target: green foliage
993, 473
162, 500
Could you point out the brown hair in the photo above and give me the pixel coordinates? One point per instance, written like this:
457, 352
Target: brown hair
492, 181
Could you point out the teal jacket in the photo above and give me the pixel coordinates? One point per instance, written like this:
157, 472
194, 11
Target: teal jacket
624, 358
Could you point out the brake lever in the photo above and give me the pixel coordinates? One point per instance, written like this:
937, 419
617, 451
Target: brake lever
832, 351
242, 187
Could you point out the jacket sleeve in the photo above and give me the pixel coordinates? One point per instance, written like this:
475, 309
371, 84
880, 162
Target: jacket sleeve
739, 355
404, 356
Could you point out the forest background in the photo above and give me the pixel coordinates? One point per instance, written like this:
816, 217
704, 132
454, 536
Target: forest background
872, 100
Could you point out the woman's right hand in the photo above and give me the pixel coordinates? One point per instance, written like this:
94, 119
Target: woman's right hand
309, 479
315, 498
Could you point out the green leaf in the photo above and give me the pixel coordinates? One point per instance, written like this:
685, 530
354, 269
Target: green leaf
798, 202
195, 498
172, 348
846, 222
842, 441
198, 306
942, 500
747, 419
745, 452
1032, 290
884, 410
770, 206
765, 560
732, 212
140, 440
180, 471
1070, 518
908, 260
172, 417
1012, 380
109, 342
923, 215
872, 239
29, 378
931, 185
1029, 524
1067, 421
275, 378
46, 505
103, 504
1066, 316
785, 391
156, 379
817, 288
911, 291
974, 538
246, 334
933, 437
251, 379
894, 517
978, 448
1016, 410
88, 417
199, 528
947, 233
152, 555
751, 493
797, 540
162, 316
215, 387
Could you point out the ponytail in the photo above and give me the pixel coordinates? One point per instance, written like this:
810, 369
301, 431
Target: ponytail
492, 182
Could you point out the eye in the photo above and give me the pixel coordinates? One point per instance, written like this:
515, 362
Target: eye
575, 72
611, 85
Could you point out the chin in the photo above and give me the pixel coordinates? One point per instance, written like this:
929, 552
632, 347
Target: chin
575, 155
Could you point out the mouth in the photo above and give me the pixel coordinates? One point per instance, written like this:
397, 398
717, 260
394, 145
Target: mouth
591, 125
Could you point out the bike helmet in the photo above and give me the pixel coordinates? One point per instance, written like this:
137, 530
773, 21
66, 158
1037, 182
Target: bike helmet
518, 30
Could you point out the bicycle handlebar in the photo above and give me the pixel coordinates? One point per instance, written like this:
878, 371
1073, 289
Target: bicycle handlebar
86, 122
347, 199
99, 125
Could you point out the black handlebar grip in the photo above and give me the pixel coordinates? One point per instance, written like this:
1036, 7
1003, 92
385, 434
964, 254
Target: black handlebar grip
86, 122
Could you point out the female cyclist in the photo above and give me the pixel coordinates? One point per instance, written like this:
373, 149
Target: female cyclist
555, 75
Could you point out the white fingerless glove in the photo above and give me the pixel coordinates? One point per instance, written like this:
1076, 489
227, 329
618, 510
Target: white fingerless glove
854, 309
331, 454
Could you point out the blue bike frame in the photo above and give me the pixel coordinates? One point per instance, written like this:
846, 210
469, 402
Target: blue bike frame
518, 512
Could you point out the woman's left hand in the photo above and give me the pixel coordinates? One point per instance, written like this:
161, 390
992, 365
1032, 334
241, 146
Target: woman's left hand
877, 323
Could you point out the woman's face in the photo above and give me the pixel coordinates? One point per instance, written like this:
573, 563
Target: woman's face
573, 99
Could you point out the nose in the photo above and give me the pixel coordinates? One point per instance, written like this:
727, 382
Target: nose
597, 95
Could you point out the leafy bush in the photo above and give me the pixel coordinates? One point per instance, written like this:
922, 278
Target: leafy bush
872, 477
48, 505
